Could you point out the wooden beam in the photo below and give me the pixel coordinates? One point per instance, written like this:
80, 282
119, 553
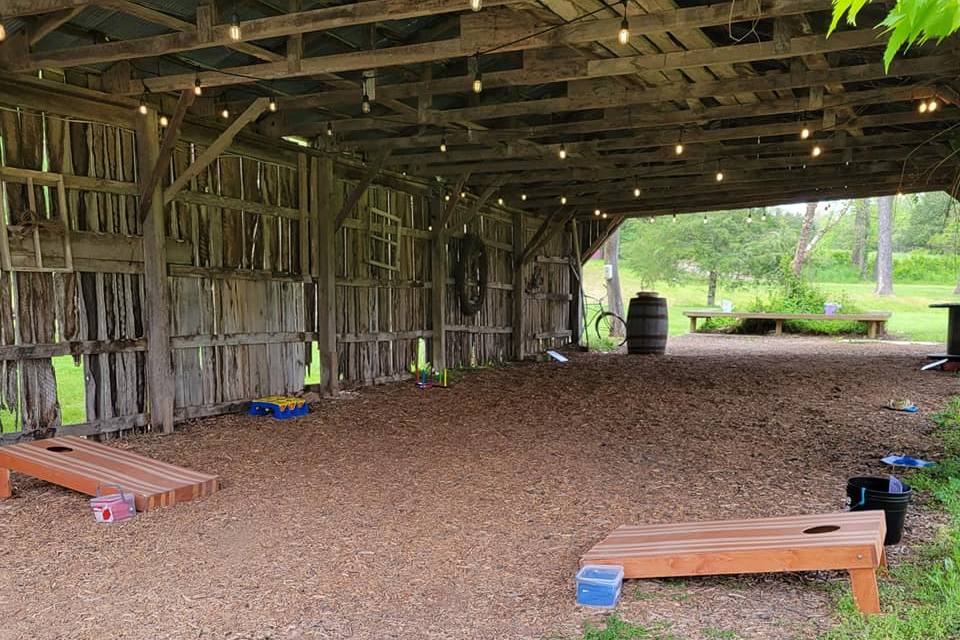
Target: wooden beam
361, 188
188, 39
20, 8
440, 225
159, 374
322, 186
161, 168
538, 235
480, 202
50, 23
216, 148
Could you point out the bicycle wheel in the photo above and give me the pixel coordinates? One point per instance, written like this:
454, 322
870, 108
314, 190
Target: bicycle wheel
610, 326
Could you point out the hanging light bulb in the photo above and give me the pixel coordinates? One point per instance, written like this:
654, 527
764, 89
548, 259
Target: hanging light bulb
476, 5
922, 108
678, 149
563, 199
272, 105
749, 218
330, 129
563, 152
142, 109
197, 89
225, 113
704, 218
365, 106
477, 76
604, 216
446, 197
164, 121
443, 144
763, 216
500, 201
623, 36
674, 217
804, 133
523, 197
719, 176
932, 106
3, 32
816, 151
235, 27
651, 219
596, 212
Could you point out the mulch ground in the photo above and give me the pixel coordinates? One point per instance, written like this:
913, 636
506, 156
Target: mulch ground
461, 513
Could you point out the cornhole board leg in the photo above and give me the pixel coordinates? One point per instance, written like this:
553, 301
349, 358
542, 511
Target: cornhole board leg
864, 583
5, 491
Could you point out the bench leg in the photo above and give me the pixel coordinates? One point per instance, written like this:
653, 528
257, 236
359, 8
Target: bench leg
872, 330
5, 491
864, 583
693, 325
883, 569
779, 329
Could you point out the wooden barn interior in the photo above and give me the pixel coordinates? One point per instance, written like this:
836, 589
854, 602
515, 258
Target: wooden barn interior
199, 196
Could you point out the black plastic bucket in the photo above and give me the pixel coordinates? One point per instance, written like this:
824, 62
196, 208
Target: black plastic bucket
868, 494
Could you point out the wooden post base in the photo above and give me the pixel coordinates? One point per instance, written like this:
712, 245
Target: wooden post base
864, 583
5, 491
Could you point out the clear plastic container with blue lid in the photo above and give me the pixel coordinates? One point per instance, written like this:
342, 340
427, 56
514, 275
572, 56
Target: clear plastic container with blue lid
598, 585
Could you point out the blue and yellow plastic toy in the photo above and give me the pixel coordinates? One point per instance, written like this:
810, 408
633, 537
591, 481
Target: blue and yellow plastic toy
280, 407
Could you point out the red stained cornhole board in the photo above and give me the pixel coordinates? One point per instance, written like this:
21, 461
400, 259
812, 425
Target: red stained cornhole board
83, 466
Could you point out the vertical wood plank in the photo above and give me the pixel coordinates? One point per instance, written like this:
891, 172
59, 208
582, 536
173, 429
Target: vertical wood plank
517, 316
439, 270
159, 371
325, 214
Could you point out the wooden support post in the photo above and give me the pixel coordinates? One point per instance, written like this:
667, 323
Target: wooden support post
160, 387
519, 238
439, 261
161, 164
322, 211
5, 490
576, 285
864, 583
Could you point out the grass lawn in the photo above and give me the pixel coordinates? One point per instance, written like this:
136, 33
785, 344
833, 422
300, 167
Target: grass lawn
912, 318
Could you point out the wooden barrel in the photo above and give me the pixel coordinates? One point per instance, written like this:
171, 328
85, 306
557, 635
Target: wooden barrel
647, 324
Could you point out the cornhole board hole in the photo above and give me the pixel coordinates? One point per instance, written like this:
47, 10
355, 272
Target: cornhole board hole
83, 466
847, 541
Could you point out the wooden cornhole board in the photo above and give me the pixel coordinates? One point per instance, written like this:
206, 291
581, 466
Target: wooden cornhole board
848, 541
83, 466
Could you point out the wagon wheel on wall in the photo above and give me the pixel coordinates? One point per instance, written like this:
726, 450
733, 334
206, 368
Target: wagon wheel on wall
471, 274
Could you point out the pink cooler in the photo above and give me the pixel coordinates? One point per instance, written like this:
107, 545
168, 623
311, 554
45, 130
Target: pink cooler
113, 507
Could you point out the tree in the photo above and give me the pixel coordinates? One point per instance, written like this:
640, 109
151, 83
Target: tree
611, 266
652, 251
810, 236
861, 236
885, 246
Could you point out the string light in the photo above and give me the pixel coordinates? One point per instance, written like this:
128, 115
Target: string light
142, 109
596, 212
523, 197
719, 176
678, 149
476, 5
563, 152
623, 36
749, 218
604, 216
704, 218
804, 133
225, 113
563, 199
443, 144
816, 151
164, 121
477, 76
272, 105
463, 194
330, 129
674, 217
197, 89
235, 27
932, 106
636, 187
500, 201
365, 103
3, 32
651, 219
446, 197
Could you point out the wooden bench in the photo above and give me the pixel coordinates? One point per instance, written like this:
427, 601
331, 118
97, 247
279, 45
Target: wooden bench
876, 321
847, 541
83, 465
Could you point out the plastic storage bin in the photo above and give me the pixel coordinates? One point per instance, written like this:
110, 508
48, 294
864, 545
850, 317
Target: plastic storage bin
599, 585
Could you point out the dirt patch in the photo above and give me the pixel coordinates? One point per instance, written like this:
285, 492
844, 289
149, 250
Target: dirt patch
461, 513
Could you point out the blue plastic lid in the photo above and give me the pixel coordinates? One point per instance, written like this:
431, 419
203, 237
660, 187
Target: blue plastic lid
601, 573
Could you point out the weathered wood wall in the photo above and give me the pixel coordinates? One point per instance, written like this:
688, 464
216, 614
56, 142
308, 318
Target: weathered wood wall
244, 255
